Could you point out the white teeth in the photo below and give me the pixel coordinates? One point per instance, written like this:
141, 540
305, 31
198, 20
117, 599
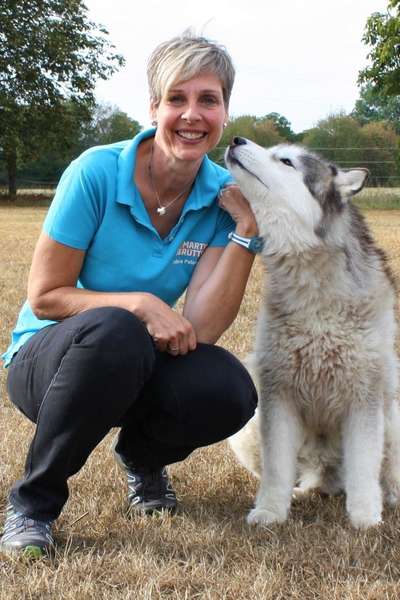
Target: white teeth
191, 135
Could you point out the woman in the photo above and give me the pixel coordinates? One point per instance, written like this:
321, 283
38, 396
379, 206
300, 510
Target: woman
98, 345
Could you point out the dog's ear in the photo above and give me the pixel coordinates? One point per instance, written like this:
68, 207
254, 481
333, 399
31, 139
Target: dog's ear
351, 181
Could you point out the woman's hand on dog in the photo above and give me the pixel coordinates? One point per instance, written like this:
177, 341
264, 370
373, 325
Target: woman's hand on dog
232, 200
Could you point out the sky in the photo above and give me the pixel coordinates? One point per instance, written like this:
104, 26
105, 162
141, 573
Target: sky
299, 58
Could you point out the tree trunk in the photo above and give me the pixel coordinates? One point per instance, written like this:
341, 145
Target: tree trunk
11, 163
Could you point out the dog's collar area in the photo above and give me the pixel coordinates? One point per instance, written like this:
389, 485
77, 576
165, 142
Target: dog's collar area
254, 244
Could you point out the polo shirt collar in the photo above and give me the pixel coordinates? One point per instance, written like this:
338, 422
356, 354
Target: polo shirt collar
126, 190
204, 191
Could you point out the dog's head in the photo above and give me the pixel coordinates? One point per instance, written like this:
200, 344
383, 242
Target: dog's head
295, 194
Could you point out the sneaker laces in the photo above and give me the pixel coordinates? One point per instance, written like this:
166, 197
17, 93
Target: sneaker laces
17, 522
150, 483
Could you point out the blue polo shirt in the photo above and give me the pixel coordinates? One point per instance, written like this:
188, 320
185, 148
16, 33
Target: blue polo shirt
98, 208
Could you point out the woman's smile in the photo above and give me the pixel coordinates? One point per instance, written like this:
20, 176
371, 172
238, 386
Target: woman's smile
190, 135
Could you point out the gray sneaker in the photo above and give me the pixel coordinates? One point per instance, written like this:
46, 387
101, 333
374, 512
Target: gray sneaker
149, 490
30, 537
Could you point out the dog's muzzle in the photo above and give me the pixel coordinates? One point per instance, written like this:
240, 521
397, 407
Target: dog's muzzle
230, 153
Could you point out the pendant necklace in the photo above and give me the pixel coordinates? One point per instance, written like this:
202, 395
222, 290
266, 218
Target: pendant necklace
163, 208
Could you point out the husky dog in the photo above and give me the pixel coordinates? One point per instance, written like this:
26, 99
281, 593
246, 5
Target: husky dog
324, 356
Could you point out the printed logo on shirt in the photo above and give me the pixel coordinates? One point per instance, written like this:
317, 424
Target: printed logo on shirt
189, 252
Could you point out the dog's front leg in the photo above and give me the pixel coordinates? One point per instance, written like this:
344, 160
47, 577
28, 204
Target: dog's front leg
363, 451
282, 435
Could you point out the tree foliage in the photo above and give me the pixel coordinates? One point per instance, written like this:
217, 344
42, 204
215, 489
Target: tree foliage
374, 105
51, 54
381, 153
333, 137
343, 140
382, 34
107, 124
282, 124
262, 130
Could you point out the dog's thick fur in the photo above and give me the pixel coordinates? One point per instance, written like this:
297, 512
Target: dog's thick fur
324, 357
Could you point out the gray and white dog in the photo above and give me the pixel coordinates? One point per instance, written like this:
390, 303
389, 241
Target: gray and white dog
324, 358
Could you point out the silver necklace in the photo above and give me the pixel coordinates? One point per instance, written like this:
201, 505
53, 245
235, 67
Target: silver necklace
162, 208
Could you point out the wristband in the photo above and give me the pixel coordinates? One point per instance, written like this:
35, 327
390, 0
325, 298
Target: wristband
254, 244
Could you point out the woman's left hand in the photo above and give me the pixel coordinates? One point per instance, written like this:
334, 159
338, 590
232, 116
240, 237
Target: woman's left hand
232, 200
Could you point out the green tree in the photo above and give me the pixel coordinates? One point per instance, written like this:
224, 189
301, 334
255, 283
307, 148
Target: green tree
380, 154
382, 34
51, 54
262, 131
266, 133
283, 126
46, 137
338, 138
109, 124
343, 140
374, 105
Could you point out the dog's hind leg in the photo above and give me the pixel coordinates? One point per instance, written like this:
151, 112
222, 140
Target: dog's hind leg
362, 456
282, 435
391, 464
310, 480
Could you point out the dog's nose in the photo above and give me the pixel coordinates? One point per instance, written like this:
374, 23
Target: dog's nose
238, 141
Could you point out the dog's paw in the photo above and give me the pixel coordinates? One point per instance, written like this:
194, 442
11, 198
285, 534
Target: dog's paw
363, 520
391, 490
365, 509
264, 517
392, 497
300, 492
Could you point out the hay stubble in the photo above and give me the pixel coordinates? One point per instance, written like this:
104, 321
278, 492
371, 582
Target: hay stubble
206, 551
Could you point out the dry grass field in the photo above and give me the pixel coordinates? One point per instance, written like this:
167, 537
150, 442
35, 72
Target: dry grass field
207, 551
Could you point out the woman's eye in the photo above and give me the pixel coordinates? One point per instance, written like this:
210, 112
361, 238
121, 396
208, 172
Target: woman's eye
209, 100
287, 161
176, 99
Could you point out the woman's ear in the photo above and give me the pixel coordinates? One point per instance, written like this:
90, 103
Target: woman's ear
153, 111
226, 120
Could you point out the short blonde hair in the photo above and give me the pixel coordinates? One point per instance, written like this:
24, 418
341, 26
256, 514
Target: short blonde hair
184, 57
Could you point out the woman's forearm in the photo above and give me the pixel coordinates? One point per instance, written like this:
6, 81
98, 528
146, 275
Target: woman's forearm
64, 302
215, 305
213, 302
170, 331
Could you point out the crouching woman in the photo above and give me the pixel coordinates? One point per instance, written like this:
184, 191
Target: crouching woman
98, 343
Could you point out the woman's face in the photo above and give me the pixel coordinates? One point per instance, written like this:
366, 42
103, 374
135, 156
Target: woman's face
190, 118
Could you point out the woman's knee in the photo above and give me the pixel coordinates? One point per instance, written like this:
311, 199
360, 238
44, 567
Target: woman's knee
237, 397
114, 338
113, 329
214, 385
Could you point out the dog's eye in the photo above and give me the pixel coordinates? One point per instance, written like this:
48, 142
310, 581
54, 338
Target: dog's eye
287, 161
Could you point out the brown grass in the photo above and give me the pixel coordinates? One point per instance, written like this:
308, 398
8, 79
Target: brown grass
207, 551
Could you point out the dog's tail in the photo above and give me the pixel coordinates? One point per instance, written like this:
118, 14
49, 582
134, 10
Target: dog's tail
246, 446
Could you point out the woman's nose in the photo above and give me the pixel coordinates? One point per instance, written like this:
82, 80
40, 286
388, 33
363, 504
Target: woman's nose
191, 113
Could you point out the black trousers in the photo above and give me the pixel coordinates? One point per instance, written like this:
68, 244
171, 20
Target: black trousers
99, 369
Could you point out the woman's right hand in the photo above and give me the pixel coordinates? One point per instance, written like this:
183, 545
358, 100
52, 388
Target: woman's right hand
170, 331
